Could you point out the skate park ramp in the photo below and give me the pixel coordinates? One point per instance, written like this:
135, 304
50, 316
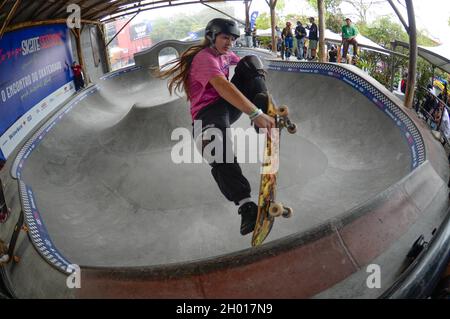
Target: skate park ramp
101, 178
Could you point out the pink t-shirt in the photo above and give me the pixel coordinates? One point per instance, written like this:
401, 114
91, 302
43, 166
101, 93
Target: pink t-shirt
206, 65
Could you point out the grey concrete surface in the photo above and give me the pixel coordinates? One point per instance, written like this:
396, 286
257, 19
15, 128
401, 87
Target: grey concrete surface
110, 194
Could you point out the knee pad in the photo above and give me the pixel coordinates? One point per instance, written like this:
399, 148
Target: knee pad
249, 67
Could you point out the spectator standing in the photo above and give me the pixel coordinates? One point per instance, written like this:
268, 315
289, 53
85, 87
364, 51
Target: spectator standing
430, 100
248, 37
444, 94
255, 43
305, 48
300, 35
349, 33
288, 39
332, 54
403, 83
278, 34
313, 38
78, 76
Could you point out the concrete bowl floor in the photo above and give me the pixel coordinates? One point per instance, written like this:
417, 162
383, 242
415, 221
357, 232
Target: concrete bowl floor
110, 194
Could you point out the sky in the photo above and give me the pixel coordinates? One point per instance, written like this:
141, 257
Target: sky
431, 15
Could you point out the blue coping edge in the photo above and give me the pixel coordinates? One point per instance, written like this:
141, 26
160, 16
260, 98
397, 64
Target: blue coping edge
38, 233
407, 127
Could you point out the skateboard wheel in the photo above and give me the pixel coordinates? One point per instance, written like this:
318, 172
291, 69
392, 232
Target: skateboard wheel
292, 129
287, 213
275, 209
283, 110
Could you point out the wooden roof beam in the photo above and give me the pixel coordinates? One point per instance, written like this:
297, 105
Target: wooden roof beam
87, 11
24, 7
78, 3
163, 4
3, 4
50, 14
115, 8
45, 22
44, 7
9, 17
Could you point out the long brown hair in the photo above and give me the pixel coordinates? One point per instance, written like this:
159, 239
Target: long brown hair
178, 69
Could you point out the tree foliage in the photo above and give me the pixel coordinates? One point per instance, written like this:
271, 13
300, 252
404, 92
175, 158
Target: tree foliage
361, 7
334, 22
294, 18
263, 21
280, 5
383, 30
331, 6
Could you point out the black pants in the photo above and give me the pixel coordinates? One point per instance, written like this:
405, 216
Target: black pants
79, 82
220, 115
347, 43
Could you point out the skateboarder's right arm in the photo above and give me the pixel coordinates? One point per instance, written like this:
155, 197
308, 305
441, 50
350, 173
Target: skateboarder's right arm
231, 94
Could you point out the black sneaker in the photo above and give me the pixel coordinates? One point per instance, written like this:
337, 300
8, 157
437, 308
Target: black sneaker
248, 212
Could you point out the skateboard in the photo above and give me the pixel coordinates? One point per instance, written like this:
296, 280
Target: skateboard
268, 207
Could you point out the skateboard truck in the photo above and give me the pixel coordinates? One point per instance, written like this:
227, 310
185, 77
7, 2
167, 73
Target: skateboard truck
278, 209
284, 120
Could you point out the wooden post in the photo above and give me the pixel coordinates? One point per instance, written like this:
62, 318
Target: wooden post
77, 33
393, 46
272, 5
412, 68
247, 14
105, 48
321, 9
433, 68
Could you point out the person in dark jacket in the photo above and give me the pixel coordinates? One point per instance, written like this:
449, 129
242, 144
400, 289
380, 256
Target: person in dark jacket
313, 37
300, 35
332, 54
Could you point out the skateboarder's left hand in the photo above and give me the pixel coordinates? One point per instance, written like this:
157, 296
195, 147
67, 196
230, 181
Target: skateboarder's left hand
265, 122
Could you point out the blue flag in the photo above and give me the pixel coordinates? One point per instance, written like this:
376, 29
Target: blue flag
253, 19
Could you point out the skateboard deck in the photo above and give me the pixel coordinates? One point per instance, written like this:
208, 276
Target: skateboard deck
268, 208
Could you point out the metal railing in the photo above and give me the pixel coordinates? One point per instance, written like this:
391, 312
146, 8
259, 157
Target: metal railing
431, 108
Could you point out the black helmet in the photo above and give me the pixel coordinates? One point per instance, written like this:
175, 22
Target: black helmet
220, 25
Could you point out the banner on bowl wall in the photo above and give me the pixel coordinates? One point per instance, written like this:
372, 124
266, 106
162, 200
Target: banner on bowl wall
35, 77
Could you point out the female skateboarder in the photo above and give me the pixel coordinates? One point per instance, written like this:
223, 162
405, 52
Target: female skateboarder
202, 72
